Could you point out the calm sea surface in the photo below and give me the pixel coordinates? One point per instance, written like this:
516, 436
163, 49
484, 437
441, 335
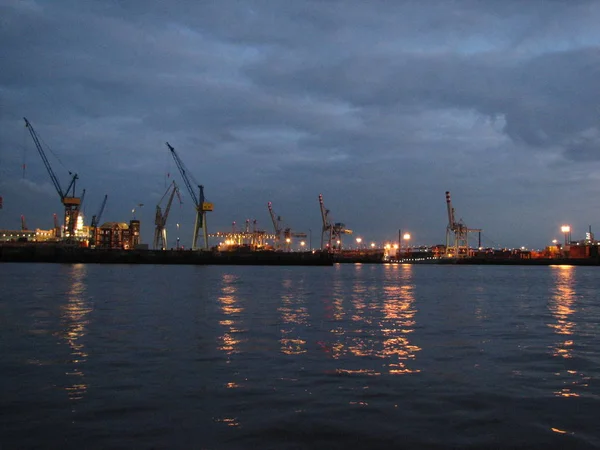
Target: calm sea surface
350, 356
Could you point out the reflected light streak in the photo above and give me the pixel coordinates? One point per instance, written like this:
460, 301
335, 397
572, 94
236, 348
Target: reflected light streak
230, 341
561, 307
385, 337
74, 319
294, 314
399, 312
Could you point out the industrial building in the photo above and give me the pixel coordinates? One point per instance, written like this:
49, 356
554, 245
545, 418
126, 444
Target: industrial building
118, 235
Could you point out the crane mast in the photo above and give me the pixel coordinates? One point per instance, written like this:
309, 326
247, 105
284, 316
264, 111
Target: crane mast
160, 232
200, 203
67, 198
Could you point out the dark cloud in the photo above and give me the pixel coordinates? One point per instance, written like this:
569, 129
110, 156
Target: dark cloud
380, 106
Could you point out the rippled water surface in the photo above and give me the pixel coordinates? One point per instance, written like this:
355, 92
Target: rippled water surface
350, 356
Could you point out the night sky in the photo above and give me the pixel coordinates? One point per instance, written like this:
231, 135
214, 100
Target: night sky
381, 106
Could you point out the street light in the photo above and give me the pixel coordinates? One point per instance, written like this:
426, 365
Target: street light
302, 244
358, 241
405, 237
287, 241
372, 244
566, 229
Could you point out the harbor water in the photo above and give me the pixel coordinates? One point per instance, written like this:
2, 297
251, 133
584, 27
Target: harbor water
349, 356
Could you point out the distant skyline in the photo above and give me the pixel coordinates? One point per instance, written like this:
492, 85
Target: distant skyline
379, 106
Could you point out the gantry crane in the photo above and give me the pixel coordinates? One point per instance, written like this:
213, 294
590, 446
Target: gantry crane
68, 198
160, 232
334, 231
200, 204
96, 220
457, 234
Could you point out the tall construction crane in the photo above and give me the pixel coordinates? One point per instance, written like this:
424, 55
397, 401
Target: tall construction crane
68, 198
334, 231
457, 233
200, 204
276, 226
160, 232
96, 220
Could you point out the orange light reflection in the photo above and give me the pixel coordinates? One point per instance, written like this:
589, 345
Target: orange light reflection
231, 339
74, 319
294, 315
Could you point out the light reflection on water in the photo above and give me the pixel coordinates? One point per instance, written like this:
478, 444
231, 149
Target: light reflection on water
562, 307
232, 311
74, 326
375, 321
294, 314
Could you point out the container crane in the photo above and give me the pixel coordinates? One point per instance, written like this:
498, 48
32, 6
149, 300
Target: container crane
95, 221
160, 232
200, 204
276, 226
67, 197
457, 234
334, 231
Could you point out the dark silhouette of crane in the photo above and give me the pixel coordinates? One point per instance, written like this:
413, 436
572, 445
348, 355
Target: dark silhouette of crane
160, 232
200, 204
95, 221
334, 231
276, 226
67, 197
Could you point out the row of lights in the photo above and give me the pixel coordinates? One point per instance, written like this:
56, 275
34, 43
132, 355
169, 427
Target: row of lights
405, 237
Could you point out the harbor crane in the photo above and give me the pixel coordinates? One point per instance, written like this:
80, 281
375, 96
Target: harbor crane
160, 232
67, 197
287, 232
96, 220
334, 231
457, 234
276, 226
200, 204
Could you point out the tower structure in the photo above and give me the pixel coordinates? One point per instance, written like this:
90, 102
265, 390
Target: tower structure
457, 233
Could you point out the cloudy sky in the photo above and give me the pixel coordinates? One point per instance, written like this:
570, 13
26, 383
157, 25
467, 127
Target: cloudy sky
381, 106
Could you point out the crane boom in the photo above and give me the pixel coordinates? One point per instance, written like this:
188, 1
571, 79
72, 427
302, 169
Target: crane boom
200, 203
168, 208
183, 172
40, 150
96, 218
